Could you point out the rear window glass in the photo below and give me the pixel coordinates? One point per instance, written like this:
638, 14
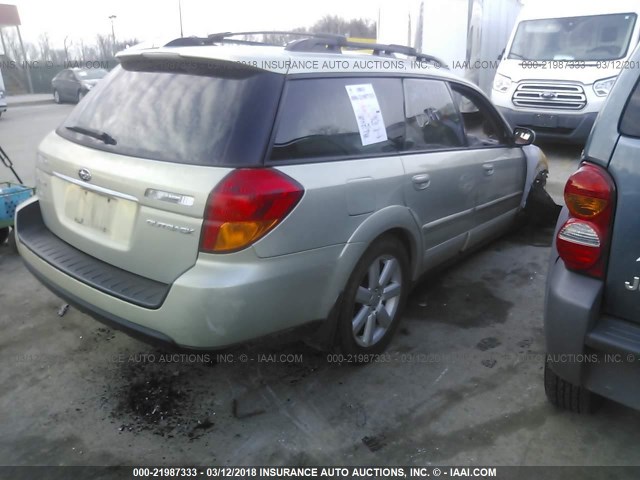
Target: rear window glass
182, 112
340, 117
630, 123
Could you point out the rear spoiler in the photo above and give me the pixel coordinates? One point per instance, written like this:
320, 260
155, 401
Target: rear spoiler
174, 62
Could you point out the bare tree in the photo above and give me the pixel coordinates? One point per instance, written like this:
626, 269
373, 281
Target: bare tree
67, 46
86, 52
281, 39
354, 28
32, 51
105, 46
13, 46
45, 47
124, 44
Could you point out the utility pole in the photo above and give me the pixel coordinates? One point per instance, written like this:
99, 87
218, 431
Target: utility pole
113, 34
180, 12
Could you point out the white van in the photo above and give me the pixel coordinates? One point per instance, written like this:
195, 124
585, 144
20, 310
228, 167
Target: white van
560, 64
3, 96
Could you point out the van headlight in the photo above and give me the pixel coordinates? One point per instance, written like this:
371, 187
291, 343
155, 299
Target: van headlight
501, 83
604, 86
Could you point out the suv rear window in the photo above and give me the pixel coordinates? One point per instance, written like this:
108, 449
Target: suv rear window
183, 112
630, 123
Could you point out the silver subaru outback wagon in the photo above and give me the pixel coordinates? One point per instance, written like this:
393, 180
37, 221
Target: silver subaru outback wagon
209, 192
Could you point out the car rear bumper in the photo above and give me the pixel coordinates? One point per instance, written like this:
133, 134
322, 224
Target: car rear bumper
221, 301
586, 347
564, 128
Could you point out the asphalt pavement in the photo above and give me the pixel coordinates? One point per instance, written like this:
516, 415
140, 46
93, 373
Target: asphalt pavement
461, 384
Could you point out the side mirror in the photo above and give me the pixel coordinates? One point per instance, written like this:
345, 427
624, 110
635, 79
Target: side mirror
523, 136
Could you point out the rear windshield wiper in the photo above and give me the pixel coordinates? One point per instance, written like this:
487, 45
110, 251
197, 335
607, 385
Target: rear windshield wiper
97, 134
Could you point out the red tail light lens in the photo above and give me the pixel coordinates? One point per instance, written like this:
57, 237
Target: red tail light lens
245, 206
583, 240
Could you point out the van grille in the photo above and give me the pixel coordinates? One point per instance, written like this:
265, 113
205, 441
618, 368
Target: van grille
550, 96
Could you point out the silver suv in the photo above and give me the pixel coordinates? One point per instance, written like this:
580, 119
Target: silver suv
212, 191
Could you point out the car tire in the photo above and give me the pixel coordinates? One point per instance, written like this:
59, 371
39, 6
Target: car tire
568, 396
373, 300
81, 95
4, 234
56, 97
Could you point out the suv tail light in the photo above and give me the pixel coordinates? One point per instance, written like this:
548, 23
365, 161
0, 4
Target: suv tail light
245, 206
583, 240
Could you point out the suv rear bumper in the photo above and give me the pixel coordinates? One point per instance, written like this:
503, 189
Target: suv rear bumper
221, 301
586, 347
569, 128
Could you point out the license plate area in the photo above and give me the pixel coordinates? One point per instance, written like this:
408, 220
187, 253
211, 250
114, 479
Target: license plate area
95, 211
545, 120
104, 218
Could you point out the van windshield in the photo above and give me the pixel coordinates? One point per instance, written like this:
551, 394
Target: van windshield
588, 38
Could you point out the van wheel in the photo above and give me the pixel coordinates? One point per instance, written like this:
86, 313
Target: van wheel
568, 396
4, 234
374, 297
56, 97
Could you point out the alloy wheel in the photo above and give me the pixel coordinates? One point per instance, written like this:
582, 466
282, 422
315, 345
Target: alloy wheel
377, 300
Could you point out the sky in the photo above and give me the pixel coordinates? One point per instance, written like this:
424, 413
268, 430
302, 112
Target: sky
148, 19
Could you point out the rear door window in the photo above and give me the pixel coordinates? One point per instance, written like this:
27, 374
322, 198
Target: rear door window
432, 120
630, 122
180, 111
339, 117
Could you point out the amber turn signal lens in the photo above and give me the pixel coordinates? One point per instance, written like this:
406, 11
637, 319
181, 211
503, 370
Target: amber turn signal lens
235, 235
584, 206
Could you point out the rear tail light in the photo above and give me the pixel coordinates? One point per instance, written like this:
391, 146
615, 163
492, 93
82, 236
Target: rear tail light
245, 206
583, 240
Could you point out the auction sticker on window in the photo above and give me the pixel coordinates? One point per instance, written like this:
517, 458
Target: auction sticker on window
368, 115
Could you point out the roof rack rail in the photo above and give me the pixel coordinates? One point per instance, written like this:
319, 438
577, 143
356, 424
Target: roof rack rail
199, 41
311, 42
227, 37
337, 43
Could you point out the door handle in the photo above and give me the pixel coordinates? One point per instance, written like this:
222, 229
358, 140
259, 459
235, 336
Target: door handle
488, 169
421, 181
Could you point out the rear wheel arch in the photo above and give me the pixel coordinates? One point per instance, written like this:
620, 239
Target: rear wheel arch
405, 239
397, 221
